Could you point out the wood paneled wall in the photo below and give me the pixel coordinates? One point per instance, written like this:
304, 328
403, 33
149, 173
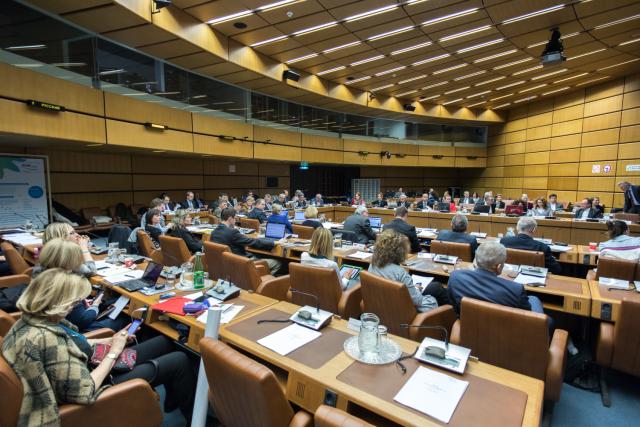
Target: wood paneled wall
577, 144
412, 179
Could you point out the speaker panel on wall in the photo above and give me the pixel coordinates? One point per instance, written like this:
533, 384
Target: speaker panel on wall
272, 181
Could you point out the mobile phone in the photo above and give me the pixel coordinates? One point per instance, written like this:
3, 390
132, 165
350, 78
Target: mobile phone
134, 326
100, 295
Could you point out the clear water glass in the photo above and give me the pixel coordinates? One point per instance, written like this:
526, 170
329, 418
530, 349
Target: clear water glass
113, 251
369, 338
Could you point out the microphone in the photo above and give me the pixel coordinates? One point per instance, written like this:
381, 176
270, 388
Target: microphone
431, 350
295, 291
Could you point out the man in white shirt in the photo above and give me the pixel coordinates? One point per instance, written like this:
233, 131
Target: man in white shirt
553, 204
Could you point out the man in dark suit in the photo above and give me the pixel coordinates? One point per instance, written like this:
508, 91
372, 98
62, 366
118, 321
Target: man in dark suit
360, 225
587, 211
400, 225
465, 199
380, 202
485, 284
191, 202
423, 203
631, 197
258, 212
499, 204
317, 201
227, 234
168, 206
458, 233
524, 240
402, 201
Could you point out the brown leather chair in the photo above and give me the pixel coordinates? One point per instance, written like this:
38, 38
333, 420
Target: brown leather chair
236, 381
461, 250
244, 273
514, 339
391, 302
253, 224
174, 251
147, 249
135, 398
627, 216
618, 345
213, 259
303, 231
523, 257
616, 268
7, 320
328, 416
16, 262
326, 285
89, 213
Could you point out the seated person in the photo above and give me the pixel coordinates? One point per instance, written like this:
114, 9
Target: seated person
597, 206
423, 203
484, 282
402, 201
320, 252
249, 203
222, 204
401, 225
487, 201
389, 253
191, 202
553, 203
447, 200
379, 202
540, 208
282, 199
475, 197
160, 206
66, 254
525, 200
522, 205
153, 227
587, 211
50, 356
258, 211
357, 200
524, 240
311, 217
227, 234
317, 201
300, 203
458, 233
166, 199
279, 217
61, 230
360, 225
499, 204
619, 239
182, 220
465, 199
268, 201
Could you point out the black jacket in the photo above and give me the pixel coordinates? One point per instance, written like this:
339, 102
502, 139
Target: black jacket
525, 242
422, 205
379, 203
407, 229
237, 241
361, 226
154, 233
193, 244
311, 223
459, 237
258, 214
593, 213
628, 201
196, 204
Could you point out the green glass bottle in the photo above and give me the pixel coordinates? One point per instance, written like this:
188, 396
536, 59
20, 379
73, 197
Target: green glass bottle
198, 272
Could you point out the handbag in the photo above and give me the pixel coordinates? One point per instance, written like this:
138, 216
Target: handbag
124, 363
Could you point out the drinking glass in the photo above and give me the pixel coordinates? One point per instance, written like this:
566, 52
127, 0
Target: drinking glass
113, 251
369, 338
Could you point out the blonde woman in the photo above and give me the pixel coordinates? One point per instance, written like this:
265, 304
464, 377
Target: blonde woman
42, 342
181, 220
311, 217
321, 250
61, 230
389, 252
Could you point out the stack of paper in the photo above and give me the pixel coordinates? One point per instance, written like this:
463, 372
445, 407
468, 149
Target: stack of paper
22, 239
614, 283
361, 255
289, 339
530, 280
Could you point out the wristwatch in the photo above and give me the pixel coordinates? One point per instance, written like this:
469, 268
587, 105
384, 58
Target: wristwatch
112, 355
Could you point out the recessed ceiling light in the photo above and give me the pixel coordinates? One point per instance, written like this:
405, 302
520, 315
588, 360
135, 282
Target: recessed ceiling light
405, 93
592, 81
315, 28
629, 42
444, 70
479, 46
344, 46
500, 106
529, 89
479, 94
364, 61
421, 76
477, 103
527, 70
271, 40
533, 14
556, 90
382, 73
331, 70
391, 33
467, 76
511, 84
449, 16
382, 87
570, 78
456, 90
231, 17
432, 59
302, 58
358, 80
494, 56
618, 64
434, 85
571, 58
426, 98
616, 22
529, 98
511, 64
486, 82
466, 33
371, 13
26, 47
501, 97
410, 48
452, 101
95, 145
553, 73
276, 5
240, 25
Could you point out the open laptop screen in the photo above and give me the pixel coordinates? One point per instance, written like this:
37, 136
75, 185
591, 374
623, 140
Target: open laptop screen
274, 230
152, 272
375, 221
299, 216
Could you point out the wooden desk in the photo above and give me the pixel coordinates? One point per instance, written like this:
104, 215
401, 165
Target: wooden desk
305, 386
605, 303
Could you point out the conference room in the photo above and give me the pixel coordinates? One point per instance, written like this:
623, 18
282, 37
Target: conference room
319, 213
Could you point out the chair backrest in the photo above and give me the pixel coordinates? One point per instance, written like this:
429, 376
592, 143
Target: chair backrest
146, 247
235, 381
461, 250
633, 217
213, 261
616, 268
319, 281
241, 271
508, 337
626, 340
523, 257
6, 322
303, 231
389, 300
253, 224
174, 251
328, 416
16, 262
349, 236
11, 390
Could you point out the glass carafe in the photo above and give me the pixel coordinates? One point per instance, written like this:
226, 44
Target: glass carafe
186, 278
369, 338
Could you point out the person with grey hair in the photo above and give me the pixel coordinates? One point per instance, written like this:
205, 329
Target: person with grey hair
458, 233
524, 240
359, 224
402, 201
631, 197
484, 282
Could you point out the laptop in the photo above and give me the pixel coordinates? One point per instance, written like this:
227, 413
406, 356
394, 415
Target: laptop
375, 221
444, 207
149, 278
299, 216
513, 210
275, 231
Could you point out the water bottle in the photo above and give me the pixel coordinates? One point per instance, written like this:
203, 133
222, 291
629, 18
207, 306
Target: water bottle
198, 272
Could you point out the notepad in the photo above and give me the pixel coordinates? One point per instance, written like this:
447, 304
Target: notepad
432, 393
289, 339
524, 279
119, 278
360, 255
119, 305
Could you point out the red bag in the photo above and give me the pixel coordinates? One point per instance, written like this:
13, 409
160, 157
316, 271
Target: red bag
124, 363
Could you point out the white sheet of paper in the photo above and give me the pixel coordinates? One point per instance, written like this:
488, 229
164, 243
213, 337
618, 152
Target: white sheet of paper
229, 311
478, 234
425, 255
559, 248
130, 275
614, 283
193, 295
119, 305
432, 393
288, 339
421, 281
361, 255
113, 271
523, 279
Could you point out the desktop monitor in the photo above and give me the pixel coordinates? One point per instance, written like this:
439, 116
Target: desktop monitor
274, 230
375, 221
482, 208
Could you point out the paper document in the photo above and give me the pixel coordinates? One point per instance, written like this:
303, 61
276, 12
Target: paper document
112, 271
421, 281
229, 311
288, 339
523, 279
425, 255
119, 305
432, 393
360, 255
478, 234
613, 283
543, 240
559, 248
130, 275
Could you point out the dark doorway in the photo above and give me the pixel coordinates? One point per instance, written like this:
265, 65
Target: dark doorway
330, 181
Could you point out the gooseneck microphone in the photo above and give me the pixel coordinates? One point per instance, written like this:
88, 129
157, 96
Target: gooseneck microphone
295, 291
434, 351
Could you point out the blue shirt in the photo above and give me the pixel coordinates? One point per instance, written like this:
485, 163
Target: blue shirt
281, 219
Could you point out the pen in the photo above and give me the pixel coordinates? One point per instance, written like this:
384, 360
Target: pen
128, 275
